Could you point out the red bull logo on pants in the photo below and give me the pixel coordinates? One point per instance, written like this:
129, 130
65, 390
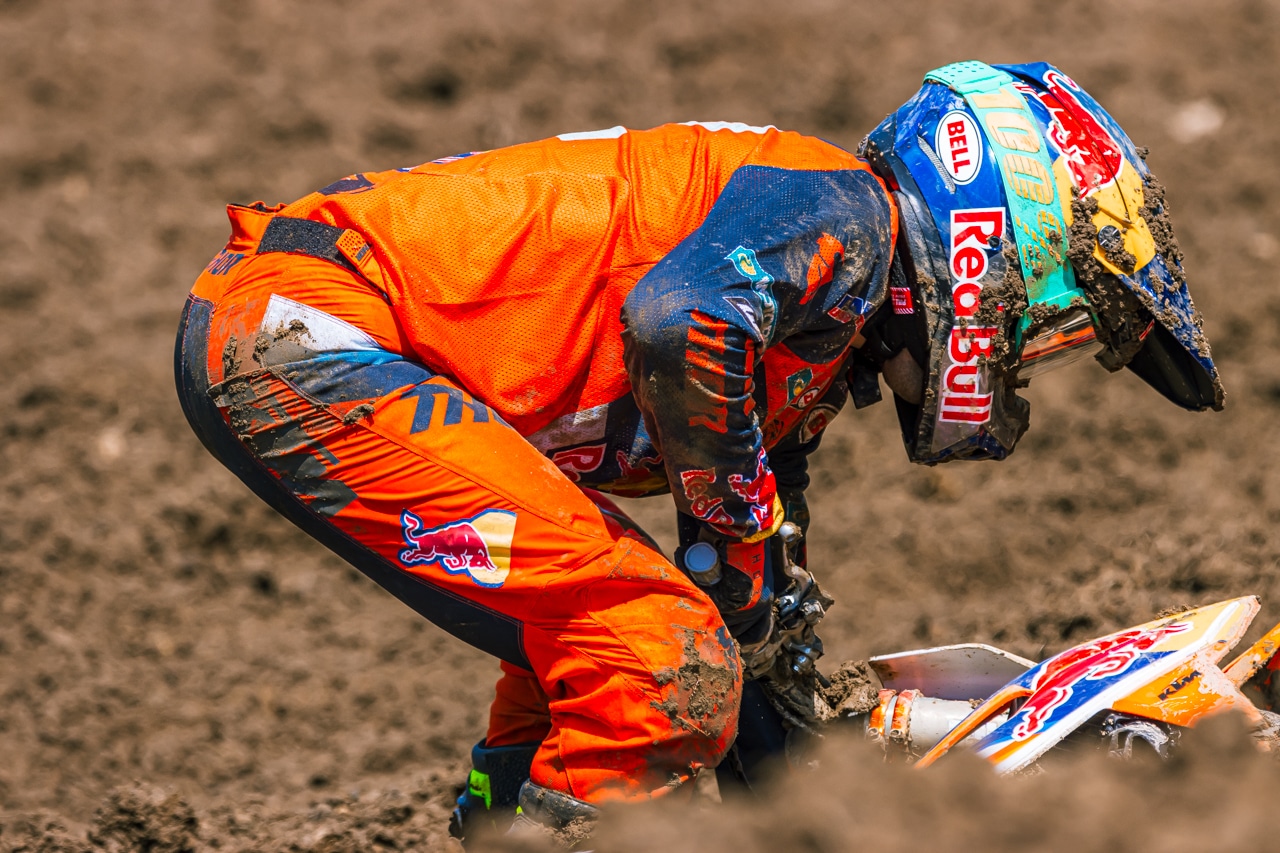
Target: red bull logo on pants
479, 546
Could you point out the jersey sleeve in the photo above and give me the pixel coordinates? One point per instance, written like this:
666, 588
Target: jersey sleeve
784, 255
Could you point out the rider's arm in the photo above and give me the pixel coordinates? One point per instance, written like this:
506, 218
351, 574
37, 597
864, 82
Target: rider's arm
783, 253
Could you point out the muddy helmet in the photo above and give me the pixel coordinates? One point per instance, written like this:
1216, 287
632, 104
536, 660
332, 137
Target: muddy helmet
1032, 235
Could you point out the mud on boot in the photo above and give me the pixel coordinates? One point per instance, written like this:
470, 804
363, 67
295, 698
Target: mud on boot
549, 814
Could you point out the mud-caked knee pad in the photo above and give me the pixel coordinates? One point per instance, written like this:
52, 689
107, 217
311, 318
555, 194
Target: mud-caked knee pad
686, 655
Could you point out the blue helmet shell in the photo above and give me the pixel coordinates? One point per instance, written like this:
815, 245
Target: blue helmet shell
1020, 196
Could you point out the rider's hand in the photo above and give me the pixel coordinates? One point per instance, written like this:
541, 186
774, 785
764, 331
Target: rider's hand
759, 643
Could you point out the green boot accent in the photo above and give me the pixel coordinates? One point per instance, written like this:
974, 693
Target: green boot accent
492, 793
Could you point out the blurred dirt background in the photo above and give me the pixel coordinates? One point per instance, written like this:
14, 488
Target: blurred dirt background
180, 669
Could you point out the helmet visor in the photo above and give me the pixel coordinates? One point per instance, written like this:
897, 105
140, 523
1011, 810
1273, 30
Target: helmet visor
1064, 339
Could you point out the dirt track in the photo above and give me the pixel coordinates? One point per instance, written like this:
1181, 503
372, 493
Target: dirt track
157, 624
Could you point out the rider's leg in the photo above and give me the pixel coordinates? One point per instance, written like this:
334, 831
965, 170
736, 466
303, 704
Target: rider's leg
426, 490
519, 719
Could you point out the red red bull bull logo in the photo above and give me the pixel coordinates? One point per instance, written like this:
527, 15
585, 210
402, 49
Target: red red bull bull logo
1090, 152
1100, 661
697, 490
479, 546
758, 491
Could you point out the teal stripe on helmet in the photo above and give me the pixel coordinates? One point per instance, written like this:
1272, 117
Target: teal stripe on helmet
1030, 190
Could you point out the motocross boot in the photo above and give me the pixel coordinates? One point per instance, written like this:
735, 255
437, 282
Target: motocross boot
547, 814
488, 802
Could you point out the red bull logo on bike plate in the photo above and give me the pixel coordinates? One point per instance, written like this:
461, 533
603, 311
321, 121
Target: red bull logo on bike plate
1101, 661
479, 546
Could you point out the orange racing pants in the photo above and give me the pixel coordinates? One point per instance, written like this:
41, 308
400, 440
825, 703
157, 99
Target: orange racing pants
293, 372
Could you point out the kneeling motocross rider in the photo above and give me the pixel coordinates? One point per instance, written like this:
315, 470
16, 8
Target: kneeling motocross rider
436, 371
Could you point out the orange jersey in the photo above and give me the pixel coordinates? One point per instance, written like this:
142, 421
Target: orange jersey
733, 264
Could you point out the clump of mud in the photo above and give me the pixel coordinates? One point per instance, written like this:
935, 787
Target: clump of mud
283, 345
852, 689
1123, 316
702, 689
1155, 210
1003, 304
1116, 304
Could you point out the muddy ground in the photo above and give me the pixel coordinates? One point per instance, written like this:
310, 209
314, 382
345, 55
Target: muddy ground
181, 669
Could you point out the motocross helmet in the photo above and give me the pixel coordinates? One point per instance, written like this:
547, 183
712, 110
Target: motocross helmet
1032, 235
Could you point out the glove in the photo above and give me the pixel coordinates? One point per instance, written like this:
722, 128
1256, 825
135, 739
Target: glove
793, 683
758, 646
